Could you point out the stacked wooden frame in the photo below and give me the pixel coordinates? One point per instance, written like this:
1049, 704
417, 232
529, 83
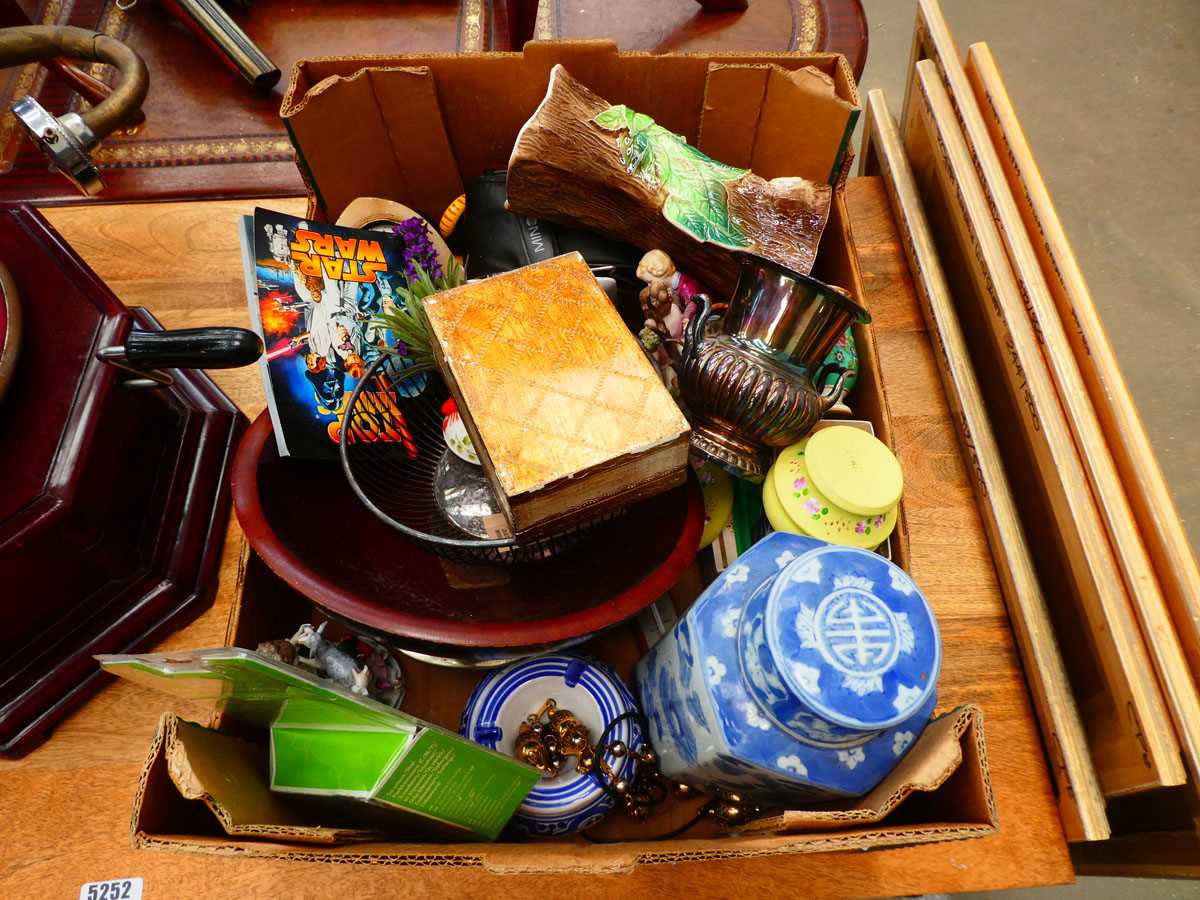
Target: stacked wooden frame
1102, 587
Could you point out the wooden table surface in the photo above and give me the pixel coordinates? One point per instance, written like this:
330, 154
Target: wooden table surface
65, 807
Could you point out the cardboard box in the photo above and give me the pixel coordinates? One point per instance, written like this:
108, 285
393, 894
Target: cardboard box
413, 128
940, 792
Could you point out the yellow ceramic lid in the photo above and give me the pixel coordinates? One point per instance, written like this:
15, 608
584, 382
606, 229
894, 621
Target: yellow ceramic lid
779, 519
854, 470
716, 486
815, 514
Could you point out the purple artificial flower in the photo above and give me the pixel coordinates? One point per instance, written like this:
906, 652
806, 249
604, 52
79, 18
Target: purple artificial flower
401, 348
418, 249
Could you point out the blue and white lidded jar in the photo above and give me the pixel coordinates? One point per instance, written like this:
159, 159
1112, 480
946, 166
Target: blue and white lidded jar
802, 674
570, 801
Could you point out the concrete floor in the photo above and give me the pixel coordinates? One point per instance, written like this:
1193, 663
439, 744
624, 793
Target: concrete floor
1109, 95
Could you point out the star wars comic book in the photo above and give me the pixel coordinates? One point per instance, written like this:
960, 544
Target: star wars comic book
314, 292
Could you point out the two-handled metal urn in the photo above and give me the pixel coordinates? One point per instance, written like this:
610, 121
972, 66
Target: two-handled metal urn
750, 387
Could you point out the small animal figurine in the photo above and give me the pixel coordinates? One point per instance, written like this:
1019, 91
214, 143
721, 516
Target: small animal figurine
362, 678
337, 665
386, 683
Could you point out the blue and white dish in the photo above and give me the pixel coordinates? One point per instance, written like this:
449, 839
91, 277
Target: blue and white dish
730, 710
571, 801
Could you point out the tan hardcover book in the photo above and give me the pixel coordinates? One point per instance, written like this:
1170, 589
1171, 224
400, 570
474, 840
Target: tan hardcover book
569, 418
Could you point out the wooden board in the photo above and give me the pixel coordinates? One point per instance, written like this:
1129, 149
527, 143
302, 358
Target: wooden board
66, 806
1159, 520
933, 41
1080, 799
1162, 854
1132, 742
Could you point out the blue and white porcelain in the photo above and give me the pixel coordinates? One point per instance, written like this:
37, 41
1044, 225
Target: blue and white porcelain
570, 801
802, 674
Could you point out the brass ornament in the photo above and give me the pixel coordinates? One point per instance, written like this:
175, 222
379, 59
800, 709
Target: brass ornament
749, 385
550, 736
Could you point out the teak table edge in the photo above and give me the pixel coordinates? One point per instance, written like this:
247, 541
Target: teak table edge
66, 805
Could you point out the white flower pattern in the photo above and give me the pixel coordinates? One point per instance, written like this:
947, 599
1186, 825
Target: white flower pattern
901, 582
716, 669
808, 677
729, 620
784, 558
852, 757
737, 575
906, 697
900, 742
754, 718
809, 571
793, 764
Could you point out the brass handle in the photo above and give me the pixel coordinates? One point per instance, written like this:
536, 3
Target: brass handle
830, 397
36, 43
694, 333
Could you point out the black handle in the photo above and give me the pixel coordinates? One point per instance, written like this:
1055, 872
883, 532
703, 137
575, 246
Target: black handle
693, 334
193, 348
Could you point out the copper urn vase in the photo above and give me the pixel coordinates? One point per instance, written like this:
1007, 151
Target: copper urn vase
750, 386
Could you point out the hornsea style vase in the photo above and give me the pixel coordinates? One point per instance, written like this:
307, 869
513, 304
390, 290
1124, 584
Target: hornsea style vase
802, 674
750, 387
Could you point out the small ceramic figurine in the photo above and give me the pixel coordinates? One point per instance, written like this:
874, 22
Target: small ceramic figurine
386, 683
668, 302
324, 655
455, 433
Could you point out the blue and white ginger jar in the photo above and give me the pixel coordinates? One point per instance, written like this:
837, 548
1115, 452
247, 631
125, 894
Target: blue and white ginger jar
802, 674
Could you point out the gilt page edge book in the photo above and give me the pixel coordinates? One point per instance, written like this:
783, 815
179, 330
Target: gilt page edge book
569, 416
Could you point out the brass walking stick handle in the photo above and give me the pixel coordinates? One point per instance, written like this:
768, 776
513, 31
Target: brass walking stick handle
67, 140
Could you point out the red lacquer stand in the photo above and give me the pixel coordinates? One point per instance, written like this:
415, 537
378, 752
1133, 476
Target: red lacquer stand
113, 499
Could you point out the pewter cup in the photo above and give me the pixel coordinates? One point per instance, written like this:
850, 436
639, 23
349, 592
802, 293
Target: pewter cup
750, 388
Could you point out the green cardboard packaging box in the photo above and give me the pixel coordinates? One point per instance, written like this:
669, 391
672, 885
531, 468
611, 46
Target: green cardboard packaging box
326, 742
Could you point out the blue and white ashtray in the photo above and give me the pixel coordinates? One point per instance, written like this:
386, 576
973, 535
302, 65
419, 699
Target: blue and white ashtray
570, 801
802, 674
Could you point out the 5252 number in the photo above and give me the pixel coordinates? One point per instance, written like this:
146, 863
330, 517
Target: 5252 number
122, 889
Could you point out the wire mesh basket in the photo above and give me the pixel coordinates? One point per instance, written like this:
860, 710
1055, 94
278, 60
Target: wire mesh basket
396, 460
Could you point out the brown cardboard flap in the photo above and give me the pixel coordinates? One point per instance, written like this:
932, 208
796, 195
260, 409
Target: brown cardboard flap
229, 777
949, 745
802, 118
350, 146
775, 121
733, 98
386, 135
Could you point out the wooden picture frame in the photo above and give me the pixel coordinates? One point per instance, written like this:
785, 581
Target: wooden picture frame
1129, 729
1080, 798
932, 40
1153, 508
